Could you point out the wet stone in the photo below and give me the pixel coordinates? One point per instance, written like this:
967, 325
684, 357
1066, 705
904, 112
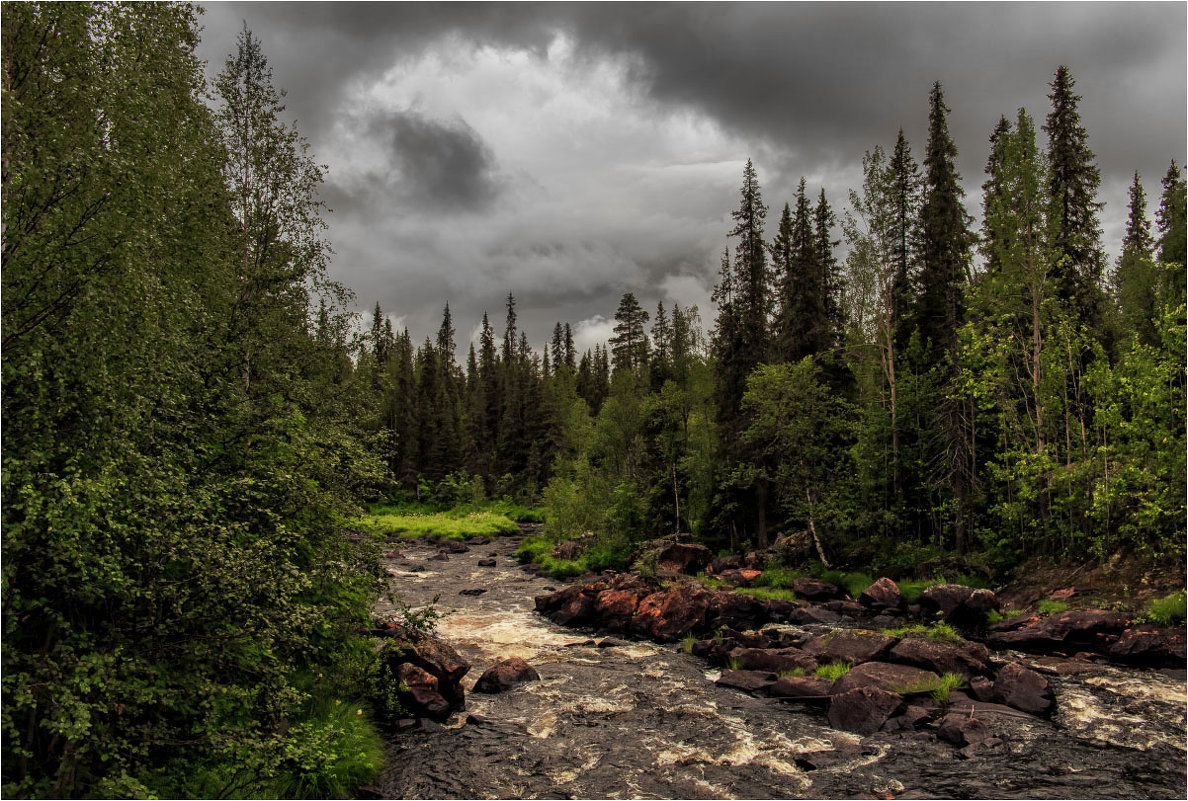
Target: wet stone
473, 591
487, 563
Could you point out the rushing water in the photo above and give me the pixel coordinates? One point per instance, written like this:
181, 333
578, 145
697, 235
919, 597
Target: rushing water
641, 720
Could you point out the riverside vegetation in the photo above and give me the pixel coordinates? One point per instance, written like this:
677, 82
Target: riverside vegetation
192, 427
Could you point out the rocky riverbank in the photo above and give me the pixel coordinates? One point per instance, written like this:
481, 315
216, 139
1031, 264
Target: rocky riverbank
640, 717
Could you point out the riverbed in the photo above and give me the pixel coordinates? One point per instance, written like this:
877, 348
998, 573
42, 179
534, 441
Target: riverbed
642, 720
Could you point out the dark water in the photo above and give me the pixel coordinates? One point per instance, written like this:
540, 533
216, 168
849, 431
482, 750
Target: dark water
644, 721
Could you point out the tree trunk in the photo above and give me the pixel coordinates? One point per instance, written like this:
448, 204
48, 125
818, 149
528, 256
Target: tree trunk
761, 500
813, 530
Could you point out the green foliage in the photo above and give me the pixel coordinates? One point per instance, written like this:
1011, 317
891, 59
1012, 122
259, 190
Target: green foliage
768, 593
1049, 607
793, 673
833, 671
457, 525
938, 687
687, 643
732, 663
777, 578
940, 631
1169, 610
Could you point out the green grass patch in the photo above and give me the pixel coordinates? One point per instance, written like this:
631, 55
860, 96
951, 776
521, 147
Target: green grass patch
833, 671
793, 673
768, 593
939, 631
779, 578
393, 521
688, 642
939, 687
732, 663
853, 583
710, 582
1049, 607
600, 555
1168, 610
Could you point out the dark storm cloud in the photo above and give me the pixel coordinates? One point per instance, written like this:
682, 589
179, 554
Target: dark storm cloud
444, 166
803, 88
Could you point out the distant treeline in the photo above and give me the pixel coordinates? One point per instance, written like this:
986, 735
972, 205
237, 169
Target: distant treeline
911, 398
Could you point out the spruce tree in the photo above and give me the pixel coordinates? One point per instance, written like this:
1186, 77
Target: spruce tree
906, 196
830, 277
1173, 234
630, 342
944, 240
1136, 281
1073, 181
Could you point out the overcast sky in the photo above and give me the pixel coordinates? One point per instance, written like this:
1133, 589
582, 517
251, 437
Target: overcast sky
571, 153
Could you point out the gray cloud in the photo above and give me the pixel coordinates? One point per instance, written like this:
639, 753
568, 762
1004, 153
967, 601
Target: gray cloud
438, 209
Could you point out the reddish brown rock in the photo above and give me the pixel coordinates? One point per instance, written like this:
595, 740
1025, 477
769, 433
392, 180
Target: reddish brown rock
685, 557
962, 730
454, 546
814, 687
883, 594
740, 577
958, 604
852, 646
749, 680
982, 688
668, 615
505, 675
736, 610
419, 692
884, 676
816, 590
1023, 689
776, 660
613, 609
968, 659
1148, 646
1081, 627
572, 606
864, 710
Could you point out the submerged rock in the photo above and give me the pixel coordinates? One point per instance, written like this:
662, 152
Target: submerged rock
505, 675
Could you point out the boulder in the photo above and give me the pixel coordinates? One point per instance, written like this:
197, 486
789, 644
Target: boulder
794, 547
418, 692
908, 720
982, 688
685, 557
454, 546
1095, 628
1023, 689
487, 563
505, 675
883, 675
614, 608
426, 652
883, 594
845, 608
958, 604
798, 687
775, 660
473, 591
440, 556
740, 577
568, 607
815, 589
962, 730
1148, 646
810, 615
780, 611
670, 614
749, 680
853, 646
863, 710
736, 610
968, 659
724, 563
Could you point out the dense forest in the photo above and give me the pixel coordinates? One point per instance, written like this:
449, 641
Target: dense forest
194, 414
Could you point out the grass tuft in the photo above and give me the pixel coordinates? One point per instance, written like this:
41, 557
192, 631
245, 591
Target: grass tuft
1049, 607
940, 631
833, 671
939, 687
1168, 610
688, 643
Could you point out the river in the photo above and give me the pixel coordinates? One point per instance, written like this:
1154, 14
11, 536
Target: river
642, 720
